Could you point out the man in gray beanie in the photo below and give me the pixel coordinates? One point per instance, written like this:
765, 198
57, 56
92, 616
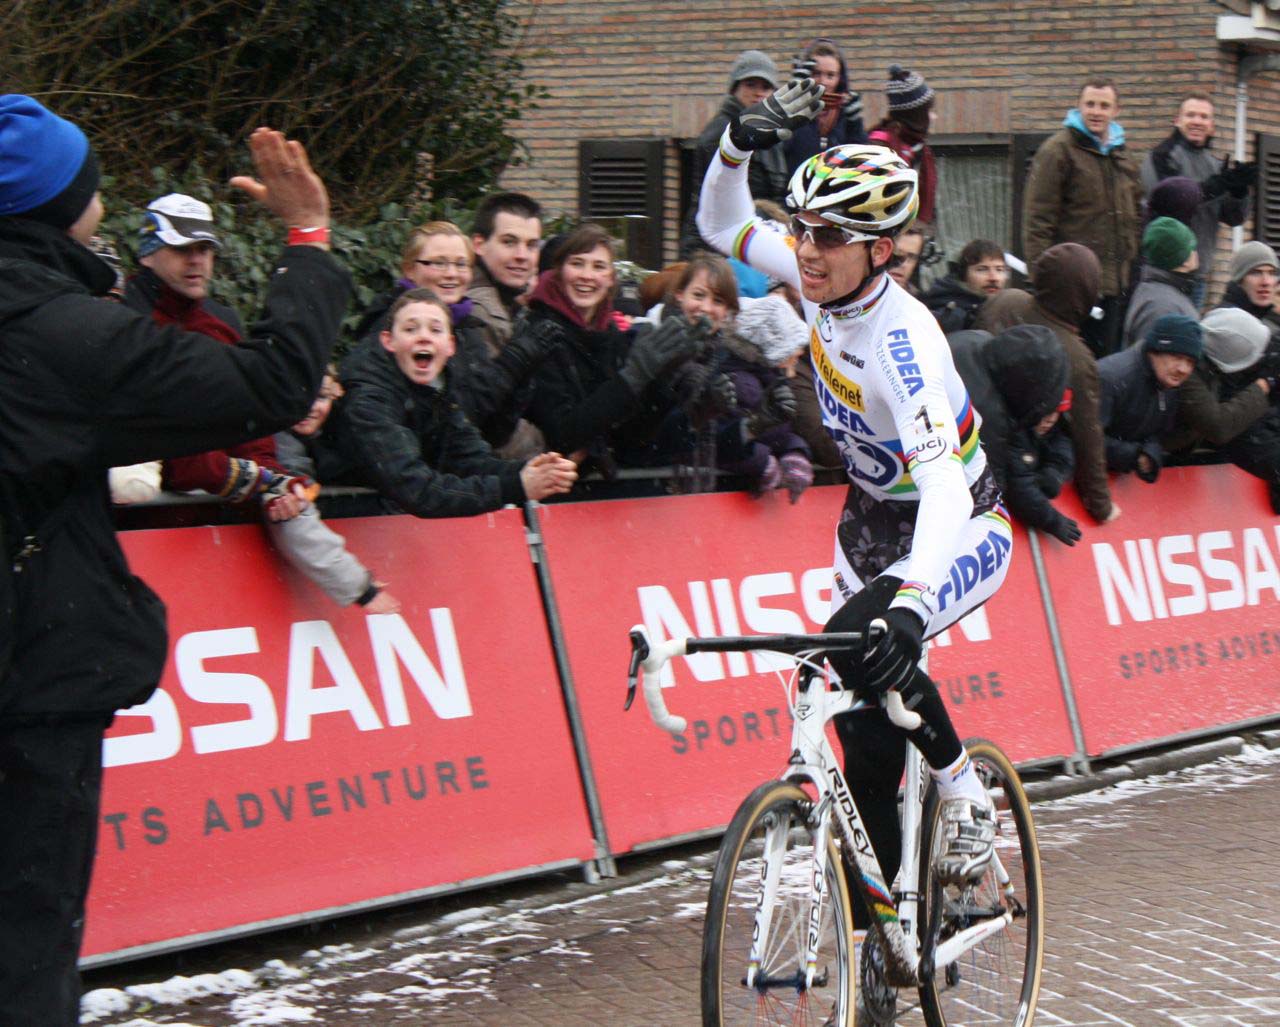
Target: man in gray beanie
752, 78
87, 385
1253, 286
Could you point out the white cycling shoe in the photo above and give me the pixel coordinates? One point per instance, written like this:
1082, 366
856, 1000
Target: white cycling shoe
968, 840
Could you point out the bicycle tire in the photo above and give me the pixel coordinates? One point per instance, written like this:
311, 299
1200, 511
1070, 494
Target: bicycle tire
730, 921
998, 980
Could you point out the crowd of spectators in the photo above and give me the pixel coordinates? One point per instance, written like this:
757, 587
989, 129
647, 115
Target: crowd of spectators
501, 366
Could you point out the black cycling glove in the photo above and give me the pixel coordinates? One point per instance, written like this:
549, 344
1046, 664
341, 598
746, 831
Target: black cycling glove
892, 661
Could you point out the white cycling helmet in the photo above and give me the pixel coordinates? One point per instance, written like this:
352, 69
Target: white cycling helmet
868, 189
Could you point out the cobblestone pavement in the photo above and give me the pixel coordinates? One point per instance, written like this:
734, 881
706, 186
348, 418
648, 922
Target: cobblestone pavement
1163, 908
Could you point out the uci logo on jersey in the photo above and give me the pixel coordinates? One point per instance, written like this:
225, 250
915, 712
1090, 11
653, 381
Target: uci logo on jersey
848, 392
905, 357
967, 571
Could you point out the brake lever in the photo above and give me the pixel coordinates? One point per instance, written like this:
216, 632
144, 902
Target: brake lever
639, 653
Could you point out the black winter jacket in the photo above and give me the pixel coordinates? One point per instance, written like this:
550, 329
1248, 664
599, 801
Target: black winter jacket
579, 399
953, 304
414, 444
1135, 409
1014, 379
87, 384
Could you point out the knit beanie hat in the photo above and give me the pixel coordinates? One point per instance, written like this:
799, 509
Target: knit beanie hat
48, 172
906, 90
1175, 333
1167, 244
1250, 256
1177, 197
753, 64
773, 326
1233, 338
176, 220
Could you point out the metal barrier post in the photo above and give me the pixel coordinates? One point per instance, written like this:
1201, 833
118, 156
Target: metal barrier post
1079, 763
604, 865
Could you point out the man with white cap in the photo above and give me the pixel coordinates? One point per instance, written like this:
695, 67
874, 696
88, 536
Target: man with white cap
177, 247
86, 385
1226, 403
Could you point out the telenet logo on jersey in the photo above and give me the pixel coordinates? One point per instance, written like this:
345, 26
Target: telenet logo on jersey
848, 392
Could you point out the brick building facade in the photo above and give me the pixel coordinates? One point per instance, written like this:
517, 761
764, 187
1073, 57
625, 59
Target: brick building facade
1005, 72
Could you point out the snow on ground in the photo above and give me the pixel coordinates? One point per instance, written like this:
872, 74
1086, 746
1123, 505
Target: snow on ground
458, 954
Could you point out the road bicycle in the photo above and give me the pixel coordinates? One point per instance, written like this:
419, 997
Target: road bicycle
777, 942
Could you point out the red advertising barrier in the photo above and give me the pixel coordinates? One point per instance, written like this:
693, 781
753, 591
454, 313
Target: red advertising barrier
728, 564
1168, 614
302, 757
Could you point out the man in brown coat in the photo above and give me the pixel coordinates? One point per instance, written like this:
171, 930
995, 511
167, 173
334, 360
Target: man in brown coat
1065, 279
1083, 187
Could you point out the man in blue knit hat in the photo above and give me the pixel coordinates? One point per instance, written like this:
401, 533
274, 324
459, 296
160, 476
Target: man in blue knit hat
87, 384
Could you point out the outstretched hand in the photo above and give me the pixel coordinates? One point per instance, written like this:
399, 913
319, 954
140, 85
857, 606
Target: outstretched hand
286, 184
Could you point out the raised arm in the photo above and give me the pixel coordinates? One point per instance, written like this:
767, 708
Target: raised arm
726, 213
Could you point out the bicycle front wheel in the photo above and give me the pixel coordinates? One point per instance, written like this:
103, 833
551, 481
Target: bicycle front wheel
998, 980
769, 848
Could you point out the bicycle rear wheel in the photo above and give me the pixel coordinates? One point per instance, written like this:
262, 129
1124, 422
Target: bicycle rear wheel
998, 980
775, 812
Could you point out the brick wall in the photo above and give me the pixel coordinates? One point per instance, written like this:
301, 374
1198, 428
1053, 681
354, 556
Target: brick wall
620, 69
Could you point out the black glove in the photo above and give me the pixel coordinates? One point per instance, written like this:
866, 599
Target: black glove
1273, 384
1065, 530
891, 662
1239, 178
775, 118
852, 109
529, 347
704, 393
1213, 187
1155, 454
802, 67
778, 406
671, 343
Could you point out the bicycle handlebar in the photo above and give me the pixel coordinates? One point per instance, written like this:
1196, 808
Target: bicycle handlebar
651, 657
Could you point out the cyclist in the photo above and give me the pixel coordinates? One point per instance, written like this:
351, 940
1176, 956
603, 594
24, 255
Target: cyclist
923, 538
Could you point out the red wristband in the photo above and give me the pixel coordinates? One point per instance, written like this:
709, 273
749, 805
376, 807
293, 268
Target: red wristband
303, 236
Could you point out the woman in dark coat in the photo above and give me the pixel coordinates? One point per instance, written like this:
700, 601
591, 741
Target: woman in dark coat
840, 120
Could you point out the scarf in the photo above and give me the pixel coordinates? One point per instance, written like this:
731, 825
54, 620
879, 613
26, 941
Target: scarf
172, 308
830, 113
550, 293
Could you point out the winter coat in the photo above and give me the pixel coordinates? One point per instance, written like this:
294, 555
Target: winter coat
495, 307
767, 176
918, 155
209, 472
87, 384
491, 386
1205, 416
1080, 191
580, 401
1136, 410
1067, 282
1159, 292
309, 544
808, 139
1176, 156
1047, 458
414, 444
1015, 380
953, 303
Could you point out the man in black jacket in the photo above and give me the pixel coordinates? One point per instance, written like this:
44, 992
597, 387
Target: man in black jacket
1140, 393
1017, 381
84, 385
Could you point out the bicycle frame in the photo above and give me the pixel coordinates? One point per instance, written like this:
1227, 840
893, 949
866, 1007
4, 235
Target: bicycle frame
814, 762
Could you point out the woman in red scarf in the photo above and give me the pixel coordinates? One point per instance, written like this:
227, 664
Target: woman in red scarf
602, 394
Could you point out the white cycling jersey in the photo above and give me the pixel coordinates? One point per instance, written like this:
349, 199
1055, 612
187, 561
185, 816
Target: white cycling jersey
890, 394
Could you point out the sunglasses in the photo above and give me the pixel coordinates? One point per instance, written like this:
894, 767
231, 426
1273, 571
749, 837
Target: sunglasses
825, 237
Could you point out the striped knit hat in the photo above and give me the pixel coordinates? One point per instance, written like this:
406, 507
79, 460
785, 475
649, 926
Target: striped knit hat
906, 90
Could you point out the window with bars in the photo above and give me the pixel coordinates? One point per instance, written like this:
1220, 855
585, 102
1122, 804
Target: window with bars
620, 185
